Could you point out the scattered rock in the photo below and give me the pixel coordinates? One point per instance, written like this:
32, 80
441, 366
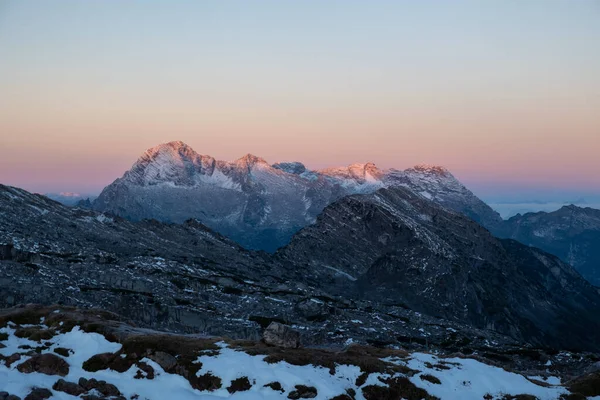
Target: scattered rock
281, 335
342, 397
13, 358
398, 388
588, 385
98, 362
275, 386
47, 363
39, 394
312, 309
165, 360
303, 392
71, 388
62, 351
107, 389
361, 379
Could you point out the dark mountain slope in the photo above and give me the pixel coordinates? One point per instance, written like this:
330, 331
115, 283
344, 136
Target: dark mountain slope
397, 246
571, 233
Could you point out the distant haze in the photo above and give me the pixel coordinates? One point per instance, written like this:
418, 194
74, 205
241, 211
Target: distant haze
505, 94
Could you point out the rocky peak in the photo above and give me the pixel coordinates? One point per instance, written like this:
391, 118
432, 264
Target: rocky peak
174, 162
250, 160
176, 150
430, 170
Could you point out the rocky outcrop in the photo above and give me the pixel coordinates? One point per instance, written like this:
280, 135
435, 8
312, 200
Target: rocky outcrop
280, 335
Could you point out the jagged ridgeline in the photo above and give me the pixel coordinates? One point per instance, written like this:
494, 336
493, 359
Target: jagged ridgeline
258, 205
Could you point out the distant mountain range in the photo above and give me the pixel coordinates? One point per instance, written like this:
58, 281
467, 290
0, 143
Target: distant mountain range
571, 233
260, 205
70, 198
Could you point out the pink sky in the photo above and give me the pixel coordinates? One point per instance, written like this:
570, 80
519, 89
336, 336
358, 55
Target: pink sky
504, 94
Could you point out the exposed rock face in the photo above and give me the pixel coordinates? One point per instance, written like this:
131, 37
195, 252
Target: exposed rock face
280, 335
571, 233
258, 205
397, 247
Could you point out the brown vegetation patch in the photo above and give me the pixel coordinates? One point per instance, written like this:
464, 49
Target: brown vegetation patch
71, 388
368, 359
398, 388
107, 389
145, 371
35, 334
362, 378
303, 392
206, 382
48, 364
440, 366
588, 385
342, 397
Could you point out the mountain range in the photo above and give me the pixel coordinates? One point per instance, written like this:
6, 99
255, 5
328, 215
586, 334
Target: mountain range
260, 205
172, 244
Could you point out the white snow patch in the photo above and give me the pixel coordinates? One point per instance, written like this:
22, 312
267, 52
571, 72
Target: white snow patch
470, 379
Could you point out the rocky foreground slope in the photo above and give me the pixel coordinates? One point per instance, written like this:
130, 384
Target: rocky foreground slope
259, 205
186, 278
63, 352
387, 268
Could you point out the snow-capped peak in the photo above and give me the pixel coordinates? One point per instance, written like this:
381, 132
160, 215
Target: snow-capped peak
359, 171
250, 160
293, 167
175, 150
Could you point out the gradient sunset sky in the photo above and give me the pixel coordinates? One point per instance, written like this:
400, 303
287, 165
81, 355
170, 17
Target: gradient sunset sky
506, 94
